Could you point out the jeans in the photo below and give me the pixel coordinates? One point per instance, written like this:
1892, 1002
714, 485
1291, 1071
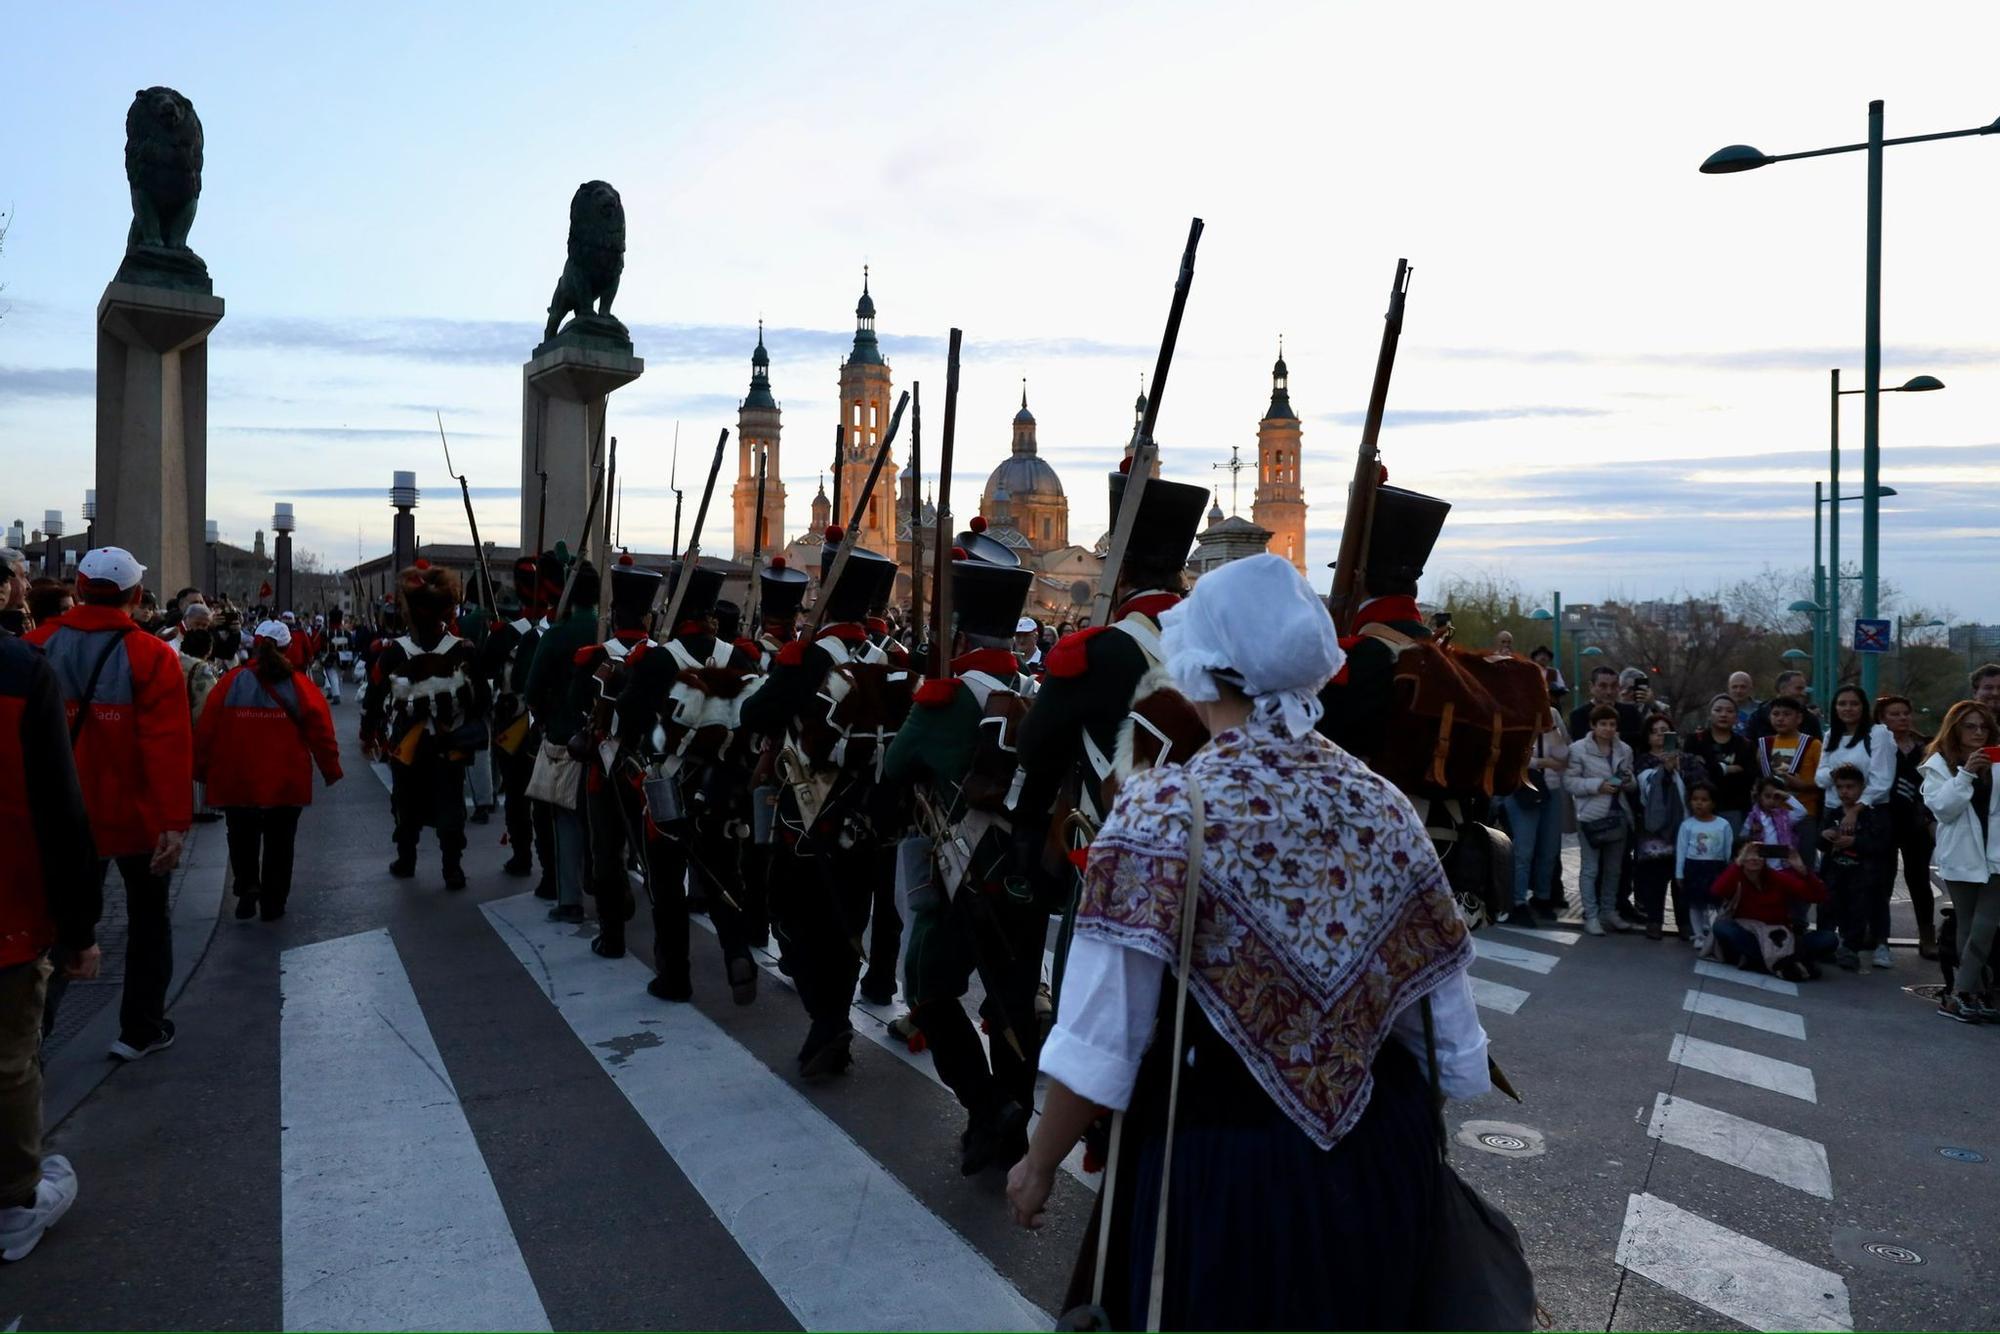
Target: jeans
23, 989
1737, 945
479, 774
261, 841
1597, 885
1536, 828
1915, 843
572, 845
1977, 908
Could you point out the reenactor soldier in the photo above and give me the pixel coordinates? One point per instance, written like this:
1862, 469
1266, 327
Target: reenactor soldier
548, 696
611, 797
425, 713
781, 591
974, 913
678, 726
503, 662
833, 704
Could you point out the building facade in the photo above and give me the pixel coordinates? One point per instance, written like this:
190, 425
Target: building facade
758, 427
1280, 504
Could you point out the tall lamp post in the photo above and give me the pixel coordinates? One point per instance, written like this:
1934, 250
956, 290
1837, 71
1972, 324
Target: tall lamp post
1555, 631
1816, 612
1584, 651
282, 522
52, 526
89, 519
1870, 486
1826, 582
1742, 157
212, 534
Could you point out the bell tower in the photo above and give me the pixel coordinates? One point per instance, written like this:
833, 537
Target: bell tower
864, 416
757, 427
1280, 503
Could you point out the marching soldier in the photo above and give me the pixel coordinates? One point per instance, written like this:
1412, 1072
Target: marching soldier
836, 704
678, 722
503, 662
781, 591
425, 712
975, 914
561, 722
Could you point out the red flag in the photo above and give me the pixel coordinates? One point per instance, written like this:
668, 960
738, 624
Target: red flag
266, 590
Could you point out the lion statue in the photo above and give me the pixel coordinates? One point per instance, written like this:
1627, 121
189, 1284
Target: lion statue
163, 165
589, 279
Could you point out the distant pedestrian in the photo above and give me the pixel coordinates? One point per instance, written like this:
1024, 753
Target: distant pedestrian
1958, 788
50, 898
13, 591
1910, 821
48, 599
265, 727
134, 746
1741, 692
1985, 683
1534, 821
1792, 757
1663, 774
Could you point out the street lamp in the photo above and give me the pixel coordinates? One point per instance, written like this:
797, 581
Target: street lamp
1903, 626
1544, 614
1742, 157
52, 527
1827, 666
1582, 652
1817, 613
212, 532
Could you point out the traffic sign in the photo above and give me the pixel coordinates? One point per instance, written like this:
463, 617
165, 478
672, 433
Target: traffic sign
1872, 637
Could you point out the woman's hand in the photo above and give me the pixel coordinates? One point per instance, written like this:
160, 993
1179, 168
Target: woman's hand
1796, 862
1609, 787
1978, 762
1028, 1188
1672, 759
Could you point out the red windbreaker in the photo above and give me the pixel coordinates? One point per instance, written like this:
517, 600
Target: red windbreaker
136, 752
251, 752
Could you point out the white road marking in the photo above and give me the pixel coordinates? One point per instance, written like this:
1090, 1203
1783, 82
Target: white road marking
840, 1240
1546, 934
1497, 996
1782, 1022
1737, 1276
1513, 955
1723, 972
1745, 1067
390, 1217
1788, 1159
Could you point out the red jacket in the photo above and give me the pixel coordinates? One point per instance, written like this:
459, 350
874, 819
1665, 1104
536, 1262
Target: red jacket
249, 750
1769, 901
49, 894
135, 755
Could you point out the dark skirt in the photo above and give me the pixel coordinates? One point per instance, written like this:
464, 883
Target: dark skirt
1265, 1230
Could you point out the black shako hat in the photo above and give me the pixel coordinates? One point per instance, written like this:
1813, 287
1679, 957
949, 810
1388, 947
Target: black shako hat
633, 588
979, 545
1170, 514
728, 619
704, 587
1400, 539
859, 582
781, 590
986, 599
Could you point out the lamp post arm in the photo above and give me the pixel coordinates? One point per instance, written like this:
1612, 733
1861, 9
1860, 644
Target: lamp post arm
1886, 143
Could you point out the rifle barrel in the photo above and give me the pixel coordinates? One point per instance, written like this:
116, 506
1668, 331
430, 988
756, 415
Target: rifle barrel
1357, 528
941, 597
692, 558
847, 539
916, 506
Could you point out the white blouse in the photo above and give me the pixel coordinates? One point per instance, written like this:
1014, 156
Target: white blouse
1110, 1001
1876, 758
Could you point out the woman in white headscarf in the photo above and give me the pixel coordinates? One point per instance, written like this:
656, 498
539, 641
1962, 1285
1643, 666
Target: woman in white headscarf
1304, 1164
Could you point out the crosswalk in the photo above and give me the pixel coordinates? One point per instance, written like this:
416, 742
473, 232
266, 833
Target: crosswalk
1744, 1278
1507, 955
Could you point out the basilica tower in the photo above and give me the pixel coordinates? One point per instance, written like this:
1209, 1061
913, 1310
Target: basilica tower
757, 426
1280, 504
864, 414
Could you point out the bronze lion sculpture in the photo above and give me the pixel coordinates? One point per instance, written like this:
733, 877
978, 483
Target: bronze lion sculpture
589, 279
163, 146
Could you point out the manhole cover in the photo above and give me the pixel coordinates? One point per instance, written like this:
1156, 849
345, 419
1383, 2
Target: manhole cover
1504, 1138
1895, 1255
1962, 1155
1509, 1143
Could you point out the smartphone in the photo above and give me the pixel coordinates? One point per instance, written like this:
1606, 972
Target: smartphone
1672, 744
1991, 752
1774, 852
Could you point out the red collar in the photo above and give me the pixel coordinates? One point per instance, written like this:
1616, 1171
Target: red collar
847, 632
85, 617
687, 628
1392, 607
1149, 605
998, 662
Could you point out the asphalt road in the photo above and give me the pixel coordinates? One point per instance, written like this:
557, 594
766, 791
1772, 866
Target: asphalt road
405, 1108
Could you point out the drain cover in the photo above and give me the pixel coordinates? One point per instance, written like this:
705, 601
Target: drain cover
1895, 1255
1962, 1155
1505, 1143
1504, 1138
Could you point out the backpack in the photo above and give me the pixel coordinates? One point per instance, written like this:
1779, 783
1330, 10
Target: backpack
994, 780
1464, 724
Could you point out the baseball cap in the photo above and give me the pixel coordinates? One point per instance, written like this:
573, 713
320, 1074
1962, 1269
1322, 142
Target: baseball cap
1026, 626
289, 617
275, 631
111, 565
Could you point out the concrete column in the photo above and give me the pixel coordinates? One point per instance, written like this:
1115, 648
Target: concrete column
563, 392
281, 582
152, 426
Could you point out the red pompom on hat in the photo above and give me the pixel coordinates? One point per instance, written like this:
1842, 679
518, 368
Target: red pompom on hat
1125, 466
978, 524
1384, 479
778, 562
835, 534
421, 564
625, 558
960, 553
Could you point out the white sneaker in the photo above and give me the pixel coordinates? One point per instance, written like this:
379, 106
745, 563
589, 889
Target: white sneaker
1591, 927
1882, 959
21, 1227
1700, 943
126, 1051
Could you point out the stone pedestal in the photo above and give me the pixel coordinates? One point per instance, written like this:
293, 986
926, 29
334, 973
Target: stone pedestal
152, 427
564, 387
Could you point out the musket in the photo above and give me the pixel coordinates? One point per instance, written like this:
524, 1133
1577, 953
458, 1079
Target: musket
465, 492
589, 513
941, 598
839, 443
691, 558
757, 545
673, 476
1350, 586
916, 508
847, 539
604, 547
1144, 451
542, 476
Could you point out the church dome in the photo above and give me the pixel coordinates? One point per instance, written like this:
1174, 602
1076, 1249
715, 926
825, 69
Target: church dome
1022, 475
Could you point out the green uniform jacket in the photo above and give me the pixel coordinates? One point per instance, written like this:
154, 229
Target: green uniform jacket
549, 695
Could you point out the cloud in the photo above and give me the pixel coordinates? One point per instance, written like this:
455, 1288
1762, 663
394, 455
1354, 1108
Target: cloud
47, 382
1752, 359
1459, 416
354, 432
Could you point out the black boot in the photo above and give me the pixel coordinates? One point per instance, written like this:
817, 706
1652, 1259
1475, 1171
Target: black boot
545, 888
609, 944
521, 863
454, 875
827, 1050
662, 989
246, 903
405, 865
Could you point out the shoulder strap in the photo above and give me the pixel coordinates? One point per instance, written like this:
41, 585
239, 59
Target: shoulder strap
1437, 1088
90, 686
1143, 634
277, 699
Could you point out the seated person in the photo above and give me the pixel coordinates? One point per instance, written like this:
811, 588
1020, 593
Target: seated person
1760, 905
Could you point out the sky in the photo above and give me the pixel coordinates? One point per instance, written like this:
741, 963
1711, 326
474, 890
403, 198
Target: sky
1615, 367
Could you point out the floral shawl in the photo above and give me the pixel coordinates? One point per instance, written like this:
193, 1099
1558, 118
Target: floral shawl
1323, 911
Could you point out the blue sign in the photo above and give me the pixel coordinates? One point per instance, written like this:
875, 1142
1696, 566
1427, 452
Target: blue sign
1872, 637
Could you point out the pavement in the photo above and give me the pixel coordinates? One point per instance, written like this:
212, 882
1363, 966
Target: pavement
401, 1108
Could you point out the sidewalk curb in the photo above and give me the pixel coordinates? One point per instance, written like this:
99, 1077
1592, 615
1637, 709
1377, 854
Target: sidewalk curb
76, 1071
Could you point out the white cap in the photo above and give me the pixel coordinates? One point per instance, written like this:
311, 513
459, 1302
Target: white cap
288, 617
113, 565
276, 632
1026, 626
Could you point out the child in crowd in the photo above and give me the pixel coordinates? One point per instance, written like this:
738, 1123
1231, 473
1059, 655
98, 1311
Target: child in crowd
1792, 758
1854, 842
1701, 854
1775, 819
